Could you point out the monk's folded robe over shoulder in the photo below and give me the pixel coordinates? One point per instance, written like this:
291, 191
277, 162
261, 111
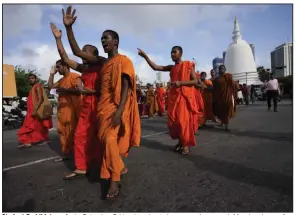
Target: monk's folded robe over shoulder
117, 141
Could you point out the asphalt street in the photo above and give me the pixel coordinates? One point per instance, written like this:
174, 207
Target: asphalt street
249, 169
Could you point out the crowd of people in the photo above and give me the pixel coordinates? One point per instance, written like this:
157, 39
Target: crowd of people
99, 111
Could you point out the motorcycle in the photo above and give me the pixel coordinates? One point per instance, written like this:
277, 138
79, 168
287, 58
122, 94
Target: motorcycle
13, 119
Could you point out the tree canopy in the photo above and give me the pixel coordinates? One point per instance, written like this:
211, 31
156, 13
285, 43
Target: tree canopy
262, 74
22, 84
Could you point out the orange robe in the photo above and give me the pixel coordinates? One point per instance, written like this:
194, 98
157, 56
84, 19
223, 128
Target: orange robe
68, 112
151, 101
223, 89
33, 129
85, 139
117, 141
161, 100
166, 99
207, 99
200, 106
182, 106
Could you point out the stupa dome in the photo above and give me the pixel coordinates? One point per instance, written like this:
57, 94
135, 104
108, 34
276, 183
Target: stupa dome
239, 59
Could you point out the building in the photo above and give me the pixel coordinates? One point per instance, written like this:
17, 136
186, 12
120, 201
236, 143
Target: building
159, 77
282, 60
216, 63
9, 82
239, 59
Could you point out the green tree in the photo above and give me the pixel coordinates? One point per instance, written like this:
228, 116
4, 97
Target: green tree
22, 84
262, 74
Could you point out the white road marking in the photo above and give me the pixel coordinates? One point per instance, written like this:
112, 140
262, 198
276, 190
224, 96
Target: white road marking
30, 163
52, 158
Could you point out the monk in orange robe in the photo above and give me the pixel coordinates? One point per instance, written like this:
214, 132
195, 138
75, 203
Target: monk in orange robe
207, 98
34, 130
68, 106
118, 115
151, 101
160, 96
86, 148
182, 105
200, 103
223, 90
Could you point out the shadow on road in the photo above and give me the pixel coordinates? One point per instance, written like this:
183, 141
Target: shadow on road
28, 206
282, 136
276, 181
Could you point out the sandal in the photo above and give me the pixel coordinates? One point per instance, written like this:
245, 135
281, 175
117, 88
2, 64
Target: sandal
185, 151
74, 175
178, 147
113, 195
28, 145
60, 159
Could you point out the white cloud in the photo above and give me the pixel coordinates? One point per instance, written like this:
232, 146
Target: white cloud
45, 55
20, 18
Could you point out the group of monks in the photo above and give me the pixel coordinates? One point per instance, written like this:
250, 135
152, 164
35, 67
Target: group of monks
98, 114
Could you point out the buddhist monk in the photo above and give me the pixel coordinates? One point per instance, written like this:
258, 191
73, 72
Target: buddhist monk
182, 106
207, 98
166, 99
213, 74
151, 101
35, 128
139, 99
160, 96
118, 115
85, 139
222, 94
68, 106
200, 103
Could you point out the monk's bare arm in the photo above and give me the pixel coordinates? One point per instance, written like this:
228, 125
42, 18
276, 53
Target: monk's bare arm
124, 93
156, 67
50, 82
80, 53
193, 80
71, 63
40, 98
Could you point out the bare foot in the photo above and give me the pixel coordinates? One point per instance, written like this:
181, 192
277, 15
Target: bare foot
185, 151
75, 174
27, 145
113, 190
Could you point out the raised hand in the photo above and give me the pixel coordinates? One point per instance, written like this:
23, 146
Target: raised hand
53, 70
56, 32
141, 53
69, 18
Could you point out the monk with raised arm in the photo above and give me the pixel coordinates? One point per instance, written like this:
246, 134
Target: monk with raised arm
222, 94
68, 106
86, 146
160, 96
118, 115
68, 20
182, 106
34, 129
207, 98
151, 101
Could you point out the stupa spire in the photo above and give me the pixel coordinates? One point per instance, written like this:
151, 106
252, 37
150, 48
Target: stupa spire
236, 31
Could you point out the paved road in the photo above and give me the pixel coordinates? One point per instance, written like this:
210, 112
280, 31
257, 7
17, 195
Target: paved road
249, 169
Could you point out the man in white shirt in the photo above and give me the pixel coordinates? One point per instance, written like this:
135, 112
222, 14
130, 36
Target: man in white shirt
272, 92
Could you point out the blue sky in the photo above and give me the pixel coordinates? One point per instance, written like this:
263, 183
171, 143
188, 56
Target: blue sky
204, 32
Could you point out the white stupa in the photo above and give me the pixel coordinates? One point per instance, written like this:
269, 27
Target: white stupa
239, 59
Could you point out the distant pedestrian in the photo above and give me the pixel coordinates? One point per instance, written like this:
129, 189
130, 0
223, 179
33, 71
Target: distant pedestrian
272, 91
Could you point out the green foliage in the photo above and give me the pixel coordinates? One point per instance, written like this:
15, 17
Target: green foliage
22, 84
287, 83
262, 74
